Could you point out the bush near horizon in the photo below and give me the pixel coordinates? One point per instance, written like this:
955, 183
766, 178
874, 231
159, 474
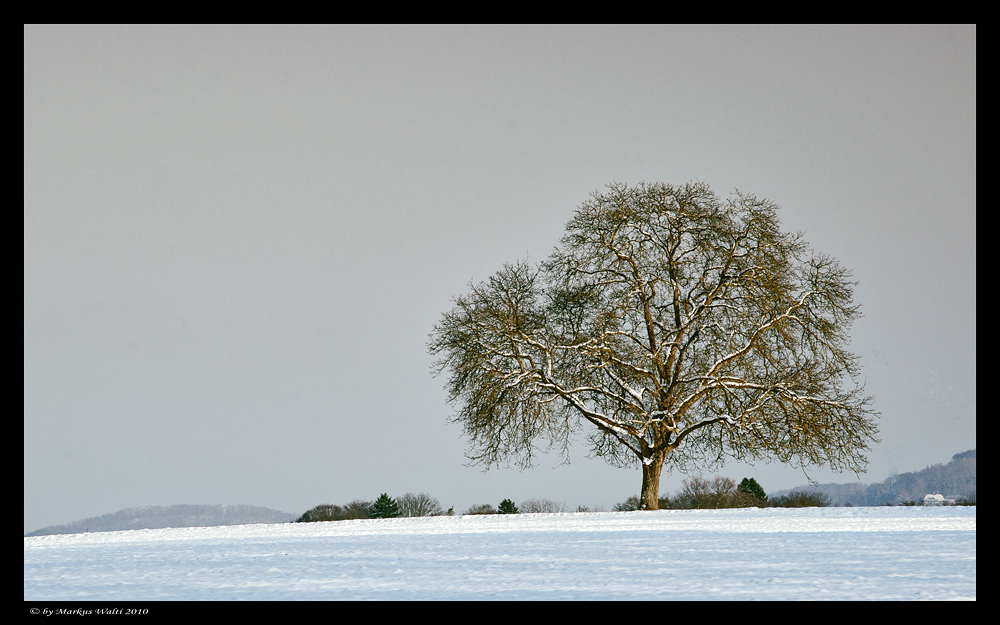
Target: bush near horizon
322, 512
722, 492
483, 508
357, 509
801, 499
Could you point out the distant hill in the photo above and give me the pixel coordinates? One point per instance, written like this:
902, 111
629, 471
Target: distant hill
182, 515
955, 479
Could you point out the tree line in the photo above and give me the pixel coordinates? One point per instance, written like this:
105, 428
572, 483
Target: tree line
420, 505
385, 507
696, 493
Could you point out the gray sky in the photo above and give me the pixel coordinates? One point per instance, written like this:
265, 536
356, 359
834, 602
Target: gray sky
237, 239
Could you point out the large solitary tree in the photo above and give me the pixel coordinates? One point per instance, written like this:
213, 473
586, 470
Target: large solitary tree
685, 329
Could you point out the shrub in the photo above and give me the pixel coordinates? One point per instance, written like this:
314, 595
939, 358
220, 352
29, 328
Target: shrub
358, 509
324, 512
484, 508
630, 504
801, 499
330, 512
507, 507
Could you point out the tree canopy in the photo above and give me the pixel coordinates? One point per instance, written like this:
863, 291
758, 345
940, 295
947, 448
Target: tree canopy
685, 329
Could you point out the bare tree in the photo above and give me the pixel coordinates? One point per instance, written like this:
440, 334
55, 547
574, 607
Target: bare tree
683, 328
418, 504
724, 492
696, 492
542, 505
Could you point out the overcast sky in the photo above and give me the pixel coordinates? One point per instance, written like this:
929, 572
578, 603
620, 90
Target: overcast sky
237, 239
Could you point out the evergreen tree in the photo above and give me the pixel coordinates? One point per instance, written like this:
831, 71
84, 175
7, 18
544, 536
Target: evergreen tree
385, 507
507, 507
751, 487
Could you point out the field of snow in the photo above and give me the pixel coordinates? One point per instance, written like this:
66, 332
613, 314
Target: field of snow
806, 553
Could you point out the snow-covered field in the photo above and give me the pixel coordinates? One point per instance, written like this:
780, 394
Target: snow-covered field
806, 553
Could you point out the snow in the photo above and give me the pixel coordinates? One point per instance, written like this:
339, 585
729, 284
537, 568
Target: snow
775, 553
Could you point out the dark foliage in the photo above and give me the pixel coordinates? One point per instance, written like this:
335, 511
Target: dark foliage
484, 508
751, 487
358, 509
323, 512
801, 499
385, 507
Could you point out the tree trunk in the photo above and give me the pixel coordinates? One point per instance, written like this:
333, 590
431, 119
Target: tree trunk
649, 498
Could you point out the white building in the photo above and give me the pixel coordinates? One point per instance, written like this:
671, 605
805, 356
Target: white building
938, 499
